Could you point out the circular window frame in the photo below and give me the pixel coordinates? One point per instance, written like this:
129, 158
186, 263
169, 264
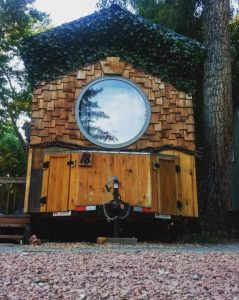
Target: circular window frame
105, 145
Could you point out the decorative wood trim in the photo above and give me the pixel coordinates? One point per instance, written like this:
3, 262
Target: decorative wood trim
69, 146
112, 66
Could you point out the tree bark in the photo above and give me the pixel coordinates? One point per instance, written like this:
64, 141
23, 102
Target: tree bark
9, 110
217, 115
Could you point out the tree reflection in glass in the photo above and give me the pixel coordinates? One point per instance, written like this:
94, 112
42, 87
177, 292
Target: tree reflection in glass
90, 113
113, 112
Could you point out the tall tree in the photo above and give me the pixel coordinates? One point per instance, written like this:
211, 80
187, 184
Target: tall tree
184, 17
217, 113
18, 19
216, 107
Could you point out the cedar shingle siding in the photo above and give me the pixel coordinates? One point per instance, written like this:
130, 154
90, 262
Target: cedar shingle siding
53, 108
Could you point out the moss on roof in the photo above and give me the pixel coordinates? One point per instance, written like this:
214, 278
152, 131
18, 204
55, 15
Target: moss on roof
113, 32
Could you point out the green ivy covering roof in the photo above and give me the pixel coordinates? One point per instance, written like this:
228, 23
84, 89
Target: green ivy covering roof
113, 32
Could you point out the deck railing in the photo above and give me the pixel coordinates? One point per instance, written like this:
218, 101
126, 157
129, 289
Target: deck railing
12, 190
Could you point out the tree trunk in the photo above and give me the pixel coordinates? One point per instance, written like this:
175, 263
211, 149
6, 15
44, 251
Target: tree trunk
217, 115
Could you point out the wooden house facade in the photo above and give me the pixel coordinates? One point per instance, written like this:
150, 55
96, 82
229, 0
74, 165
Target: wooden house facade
69, 164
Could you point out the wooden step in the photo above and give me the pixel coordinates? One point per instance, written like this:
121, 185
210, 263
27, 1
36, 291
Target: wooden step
8, 223
12, 225
11, 236
14, 219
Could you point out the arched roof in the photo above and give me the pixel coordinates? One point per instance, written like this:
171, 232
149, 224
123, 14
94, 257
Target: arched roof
113, 32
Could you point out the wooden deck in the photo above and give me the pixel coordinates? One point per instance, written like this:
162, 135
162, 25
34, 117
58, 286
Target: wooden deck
13, 227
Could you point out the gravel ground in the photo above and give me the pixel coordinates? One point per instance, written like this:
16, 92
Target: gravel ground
144, 271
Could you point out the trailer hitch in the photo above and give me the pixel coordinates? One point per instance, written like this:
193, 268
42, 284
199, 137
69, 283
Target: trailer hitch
116, 209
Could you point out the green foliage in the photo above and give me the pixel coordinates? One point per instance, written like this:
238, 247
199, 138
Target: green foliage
101, 4
113, 32
18, 19
15, 92
184, 17
12, 156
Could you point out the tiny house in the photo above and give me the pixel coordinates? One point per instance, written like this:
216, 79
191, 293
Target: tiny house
112, 99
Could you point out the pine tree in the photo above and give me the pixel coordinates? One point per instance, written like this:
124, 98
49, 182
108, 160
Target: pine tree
89, 113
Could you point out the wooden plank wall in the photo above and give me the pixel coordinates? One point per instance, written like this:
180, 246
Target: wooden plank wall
56, 182
186, 183
84, 185
58, 191
167, 188
139, 183
90, 182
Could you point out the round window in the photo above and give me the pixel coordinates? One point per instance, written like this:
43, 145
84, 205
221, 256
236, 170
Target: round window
112, 112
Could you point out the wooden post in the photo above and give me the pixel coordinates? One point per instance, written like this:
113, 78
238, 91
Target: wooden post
14, 197
28, 179
8, 196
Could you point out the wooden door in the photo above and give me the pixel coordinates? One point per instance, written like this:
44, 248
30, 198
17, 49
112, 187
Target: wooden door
56, 175
167, 187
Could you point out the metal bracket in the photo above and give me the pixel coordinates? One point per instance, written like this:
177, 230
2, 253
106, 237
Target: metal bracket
179, 204
156, 165
71, 163
45, 165
43, 200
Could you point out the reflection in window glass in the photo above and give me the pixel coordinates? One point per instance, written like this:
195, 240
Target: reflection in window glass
112, 112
